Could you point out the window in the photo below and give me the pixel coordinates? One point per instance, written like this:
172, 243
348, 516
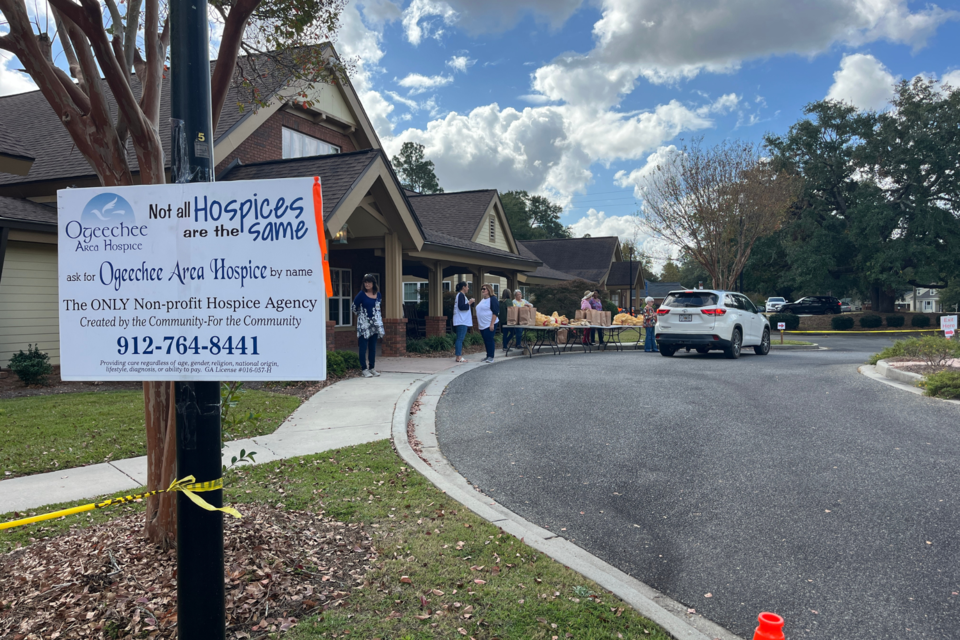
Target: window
496, 289
746, 304
692, 300
411, 292
493, 229
446, 285
299, 145
342, 297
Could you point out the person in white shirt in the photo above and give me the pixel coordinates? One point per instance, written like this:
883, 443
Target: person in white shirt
462, 317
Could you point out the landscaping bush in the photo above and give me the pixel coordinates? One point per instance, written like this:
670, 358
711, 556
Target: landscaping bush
841, 323
418, 345
791, 320
31, 367
895, 321
439, 343
608, 305
871, 321
934, 351
920, 321
564, 298
945, 384
335, 365
473, 339
350, 359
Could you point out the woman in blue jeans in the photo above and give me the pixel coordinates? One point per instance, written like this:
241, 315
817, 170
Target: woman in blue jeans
487, 310
649, 326
369, 325
462, 316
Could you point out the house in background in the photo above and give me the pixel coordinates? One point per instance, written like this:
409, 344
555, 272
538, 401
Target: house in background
921, 300
659, 290
373, 225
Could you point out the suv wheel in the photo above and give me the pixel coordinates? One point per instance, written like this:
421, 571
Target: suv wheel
764, 347
736, 340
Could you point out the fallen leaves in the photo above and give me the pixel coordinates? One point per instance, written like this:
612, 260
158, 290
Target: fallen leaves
107, 581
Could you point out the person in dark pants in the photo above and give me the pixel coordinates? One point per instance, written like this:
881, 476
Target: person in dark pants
487, 310
505, 303
597, 305
366, 306
462, 318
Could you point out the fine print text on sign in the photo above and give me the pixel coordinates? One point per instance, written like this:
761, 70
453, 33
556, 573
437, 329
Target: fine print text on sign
948, 324
200, 281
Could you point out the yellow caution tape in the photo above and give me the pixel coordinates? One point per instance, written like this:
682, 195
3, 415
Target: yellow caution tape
187, 486
881, 331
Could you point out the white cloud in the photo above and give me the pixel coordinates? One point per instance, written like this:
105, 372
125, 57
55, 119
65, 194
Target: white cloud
636, 177
862, 81
413, 105
597, 224
951, 78
418, 83
358, 43
460, 63
535, 98
379, 12
671, 41
419, 12
12, 81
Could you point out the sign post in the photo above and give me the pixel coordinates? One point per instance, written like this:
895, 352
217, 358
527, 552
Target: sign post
780, 327
948, 324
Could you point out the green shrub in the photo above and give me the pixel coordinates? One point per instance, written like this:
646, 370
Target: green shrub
895, 321
791, 320
945, 384
31, 367
934, 351
920, 321
418, 345
335, 366
871, 321
841, 323
350, 359
439, 343
473, 339
608, 305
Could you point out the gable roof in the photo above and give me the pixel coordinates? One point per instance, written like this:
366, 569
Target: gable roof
10, 145
19, 210
661, 289
589, 259
621, 272
338, 173
41, 133
456, 214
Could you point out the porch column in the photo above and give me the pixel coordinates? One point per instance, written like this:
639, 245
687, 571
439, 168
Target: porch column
513, 281
394, 324
436, 321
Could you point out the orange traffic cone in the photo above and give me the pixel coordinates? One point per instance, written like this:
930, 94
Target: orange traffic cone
771, 627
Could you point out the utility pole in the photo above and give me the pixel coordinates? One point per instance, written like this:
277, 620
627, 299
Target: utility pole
200, 589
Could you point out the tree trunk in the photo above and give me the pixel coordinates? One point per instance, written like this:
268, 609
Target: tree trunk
882, 300
161, 421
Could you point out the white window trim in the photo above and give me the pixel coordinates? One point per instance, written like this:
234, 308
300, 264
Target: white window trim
293, 132
344, 295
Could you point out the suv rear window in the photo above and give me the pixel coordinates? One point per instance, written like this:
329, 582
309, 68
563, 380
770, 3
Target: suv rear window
691, 300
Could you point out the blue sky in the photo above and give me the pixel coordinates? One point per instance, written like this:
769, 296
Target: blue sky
577, 100
574, 99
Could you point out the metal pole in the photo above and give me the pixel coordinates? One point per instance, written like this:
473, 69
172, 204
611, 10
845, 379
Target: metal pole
200, 588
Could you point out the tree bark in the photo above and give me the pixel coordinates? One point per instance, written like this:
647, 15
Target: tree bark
161, 421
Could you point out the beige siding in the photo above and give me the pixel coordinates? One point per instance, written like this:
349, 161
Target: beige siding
484, 236
28, 300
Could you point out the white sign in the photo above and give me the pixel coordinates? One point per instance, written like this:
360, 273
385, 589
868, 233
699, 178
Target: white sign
948, 324
199, 281
781, 326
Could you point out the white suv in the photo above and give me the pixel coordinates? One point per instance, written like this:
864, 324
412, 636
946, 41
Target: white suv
708, 320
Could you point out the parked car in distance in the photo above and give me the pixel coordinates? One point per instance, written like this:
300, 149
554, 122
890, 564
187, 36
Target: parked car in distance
847, 305
708, 320
774, 304
812, 305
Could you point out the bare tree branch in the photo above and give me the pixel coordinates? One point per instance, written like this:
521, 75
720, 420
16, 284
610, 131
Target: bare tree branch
130, 35
233, 29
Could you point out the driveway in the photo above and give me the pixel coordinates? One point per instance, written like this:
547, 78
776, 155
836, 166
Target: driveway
785, 483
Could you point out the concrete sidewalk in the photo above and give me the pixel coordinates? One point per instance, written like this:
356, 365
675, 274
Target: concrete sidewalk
347, 413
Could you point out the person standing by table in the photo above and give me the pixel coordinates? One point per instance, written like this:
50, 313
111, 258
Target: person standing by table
487, 310
649, 326
505, 296
369, 324
516, 332
597, 305
586, 306
462, 318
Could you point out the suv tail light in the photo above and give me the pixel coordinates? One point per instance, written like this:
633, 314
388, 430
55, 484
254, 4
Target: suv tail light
662, 311
713, 312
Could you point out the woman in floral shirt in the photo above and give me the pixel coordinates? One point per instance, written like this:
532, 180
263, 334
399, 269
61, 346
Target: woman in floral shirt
649, 325
369, 324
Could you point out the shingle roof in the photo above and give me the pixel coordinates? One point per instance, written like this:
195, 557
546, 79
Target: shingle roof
620, 273
45, 138
661, 289
338, 173
10, 145
435, 237
586, 258
27, 211
455, 214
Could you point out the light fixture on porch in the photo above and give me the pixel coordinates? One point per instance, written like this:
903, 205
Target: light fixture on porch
340, 237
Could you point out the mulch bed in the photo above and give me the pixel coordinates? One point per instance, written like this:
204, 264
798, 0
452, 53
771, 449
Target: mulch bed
822, 323
107, 581
911, 365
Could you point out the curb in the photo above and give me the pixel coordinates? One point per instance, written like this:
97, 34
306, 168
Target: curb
650, 603
885, 370
796, 347
875, 373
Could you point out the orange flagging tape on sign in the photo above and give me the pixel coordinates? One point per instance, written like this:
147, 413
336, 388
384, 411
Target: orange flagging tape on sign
771, 627
322, 235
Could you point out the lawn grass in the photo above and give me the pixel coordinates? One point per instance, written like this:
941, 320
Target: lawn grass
433, 551
795, 343
60, 431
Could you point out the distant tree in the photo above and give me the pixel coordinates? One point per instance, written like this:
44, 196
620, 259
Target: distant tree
950, 296
533, 217
692, 272
670, 272
714, 203
415, 171
630, 251
563, 297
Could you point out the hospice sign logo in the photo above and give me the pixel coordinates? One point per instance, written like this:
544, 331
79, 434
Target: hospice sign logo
107, 224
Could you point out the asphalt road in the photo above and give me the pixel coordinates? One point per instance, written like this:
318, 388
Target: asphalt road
786, 483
